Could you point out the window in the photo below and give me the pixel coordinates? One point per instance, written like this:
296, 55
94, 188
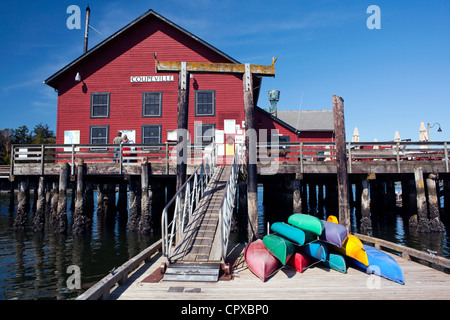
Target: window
100, 105
151, 104
204, 132
205, 103
99, 135
151, 133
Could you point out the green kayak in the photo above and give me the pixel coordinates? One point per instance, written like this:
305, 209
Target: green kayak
280, 247
306, 223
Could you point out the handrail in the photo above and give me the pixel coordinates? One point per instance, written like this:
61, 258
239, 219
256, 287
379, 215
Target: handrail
228, 203
186, 200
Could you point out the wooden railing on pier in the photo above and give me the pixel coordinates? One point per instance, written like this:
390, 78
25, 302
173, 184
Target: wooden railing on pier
390, 157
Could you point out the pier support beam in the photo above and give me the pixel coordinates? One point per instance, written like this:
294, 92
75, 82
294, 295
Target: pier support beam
366, 222
182, 122
422, 222
81, 220
60, 219
250, 144
39, 215
134, 207
145, 221
297, 193
23, 206
341, 162
433, 205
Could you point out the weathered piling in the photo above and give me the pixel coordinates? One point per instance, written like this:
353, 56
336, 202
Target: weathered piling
39, 215
297, 193
182, 123
145, 223
250, 144
134, 201
435, 222
22, 204
60, 218
81, 219
366, 222
422, 222
341, 162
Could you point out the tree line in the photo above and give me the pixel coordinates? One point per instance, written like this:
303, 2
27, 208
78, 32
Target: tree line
41, 134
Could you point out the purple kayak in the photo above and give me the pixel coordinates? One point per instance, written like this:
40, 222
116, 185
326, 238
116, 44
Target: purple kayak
333, 233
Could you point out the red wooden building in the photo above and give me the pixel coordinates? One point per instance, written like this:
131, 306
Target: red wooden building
114, 87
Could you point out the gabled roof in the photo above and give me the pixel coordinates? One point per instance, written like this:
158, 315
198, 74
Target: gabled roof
311, 120
147, 15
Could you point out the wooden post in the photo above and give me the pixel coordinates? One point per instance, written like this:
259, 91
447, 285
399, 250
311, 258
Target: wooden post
22, 207
433, 205
89, 199
54, 200
250, 145
145, 225
423, 224
39, 216
341, 162
60, 220
297, 188
81, 220
134, 207
182, 122
366, 223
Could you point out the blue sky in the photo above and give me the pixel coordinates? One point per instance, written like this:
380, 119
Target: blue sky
390, 78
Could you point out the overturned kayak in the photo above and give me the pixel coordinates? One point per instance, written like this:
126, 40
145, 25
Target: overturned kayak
317, 250
280, 247
336, 262
306, 223
259, 260
299, 261
291, 233
381, 264
333, 233
353, 248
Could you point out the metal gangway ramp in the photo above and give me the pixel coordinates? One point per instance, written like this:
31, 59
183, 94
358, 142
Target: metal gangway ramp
195, 241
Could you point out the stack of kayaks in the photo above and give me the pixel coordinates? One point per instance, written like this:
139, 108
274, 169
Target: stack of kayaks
306, 240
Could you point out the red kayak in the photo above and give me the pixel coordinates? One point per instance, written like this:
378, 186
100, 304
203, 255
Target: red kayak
259, 260
299, 261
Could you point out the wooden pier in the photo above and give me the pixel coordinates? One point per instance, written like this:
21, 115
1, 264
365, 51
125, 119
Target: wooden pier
315, 283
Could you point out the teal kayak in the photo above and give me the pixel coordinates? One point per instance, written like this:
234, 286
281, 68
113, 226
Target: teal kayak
280, 247
306, 223
291, 233
336, 262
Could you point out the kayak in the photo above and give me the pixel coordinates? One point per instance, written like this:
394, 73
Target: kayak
316, 249
306, 223
336, 261
259, 260
333, 233
292, 233
333, 219
353, 248
299, 261
280, 247
381, 264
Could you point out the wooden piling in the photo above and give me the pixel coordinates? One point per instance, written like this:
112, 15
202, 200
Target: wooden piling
423, 224
341, 162
22, 207
134, 206
182, 123
81, 220
39, 215
297, 195
366, 222
60, 219
145, 223
435, 222
250, 144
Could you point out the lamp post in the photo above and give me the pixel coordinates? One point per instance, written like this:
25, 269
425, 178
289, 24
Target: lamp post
429, 127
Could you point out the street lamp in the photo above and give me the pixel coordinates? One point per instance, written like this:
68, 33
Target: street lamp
428, 129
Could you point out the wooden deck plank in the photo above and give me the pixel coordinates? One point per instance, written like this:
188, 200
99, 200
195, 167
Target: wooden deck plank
317, 282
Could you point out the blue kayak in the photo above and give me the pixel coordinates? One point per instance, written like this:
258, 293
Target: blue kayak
316, 249
381, 264
333, 233
291, 233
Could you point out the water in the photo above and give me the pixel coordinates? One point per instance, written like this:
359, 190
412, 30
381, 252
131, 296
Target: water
34, 265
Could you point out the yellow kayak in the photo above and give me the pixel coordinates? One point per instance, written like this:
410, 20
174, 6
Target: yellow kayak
352, 246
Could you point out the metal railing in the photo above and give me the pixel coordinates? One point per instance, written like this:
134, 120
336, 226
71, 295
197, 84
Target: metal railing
228, 203
186, 200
